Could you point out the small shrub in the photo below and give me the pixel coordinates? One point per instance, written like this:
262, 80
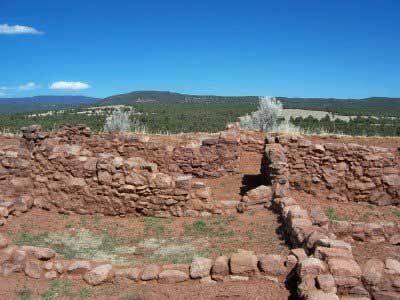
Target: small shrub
331, 214
266, 117
84, 293
24, 294
123, 121
69, 225
397, 213
200, 227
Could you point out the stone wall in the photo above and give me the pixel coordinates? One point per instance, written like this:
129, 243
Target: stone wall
327, 267
205, 156
344, 172
74, 170
367, 232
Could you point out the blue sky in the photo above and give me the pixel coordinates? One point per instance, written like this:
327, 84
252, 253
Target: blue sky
310, 48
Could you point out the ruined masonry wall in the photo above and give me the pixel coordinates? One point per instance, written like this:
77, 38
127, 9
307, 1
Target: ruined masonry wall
347, 172
74, 170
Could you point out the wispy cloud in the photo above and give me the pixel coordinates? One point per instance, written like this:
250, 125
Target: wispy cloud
69, 85
28, 86
18, 29
2, 94
5, 88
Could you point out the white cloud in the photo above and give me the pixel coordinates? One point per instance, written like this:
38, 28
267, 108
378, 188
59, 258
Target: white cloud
4, 88
17, 29
69, 85
28, 86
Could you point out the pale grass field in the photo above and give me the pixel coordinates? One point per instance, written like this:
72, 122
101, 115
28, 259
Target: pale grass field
287, 113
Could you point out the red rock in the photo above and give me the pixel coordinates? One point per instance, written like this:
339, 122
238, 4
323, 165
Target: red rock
372, 271
318, 216
50, 275
272, 265
79, 267
183, 182
104, 177
200, 267
344, 267
12, 260
326, 282
394, 240
130, 273
392, 266
4, 241
319, 148
172, 276
39, 252
311, 266
299, 253
259, 195
243, 262
99, 275
220, 267
383, 295
392, 180
320, 295
326, 253
33, 269
150, 272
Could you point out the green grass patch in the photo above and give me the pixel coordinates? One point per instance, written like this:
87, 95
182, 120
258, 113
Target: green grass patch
212, 227
154, 227
82, 244
130, 297
59, 288
331, 214
84, 293
179, 258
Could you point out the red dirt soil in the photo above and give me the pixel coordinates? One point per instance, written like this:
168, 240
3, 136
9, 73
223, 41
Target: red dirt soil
257, 289
350, 211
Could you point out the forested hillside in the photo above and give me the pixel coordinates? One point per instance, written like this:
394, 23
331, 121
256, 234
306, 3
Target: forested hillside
375, 106
165, 112
42, 103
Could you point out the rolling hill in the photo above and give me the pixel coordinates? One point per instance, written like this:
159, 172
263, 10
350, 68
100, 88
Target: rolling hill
378, 106
42, 103
383, 106
170, 97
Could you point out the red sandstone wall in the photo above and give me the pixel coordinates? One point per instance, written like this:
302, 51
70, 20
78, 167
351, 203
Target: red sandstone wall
212, 157
75, 170
346, 172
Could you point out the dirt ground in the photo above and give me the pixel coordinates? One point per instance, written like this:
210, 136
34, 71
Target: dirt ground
351, 211
17, 287
139, 240
363, 251
233, 187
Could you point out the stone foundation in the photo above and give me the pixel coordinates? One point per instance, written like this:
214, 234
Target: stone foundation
330, 269
346, 172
